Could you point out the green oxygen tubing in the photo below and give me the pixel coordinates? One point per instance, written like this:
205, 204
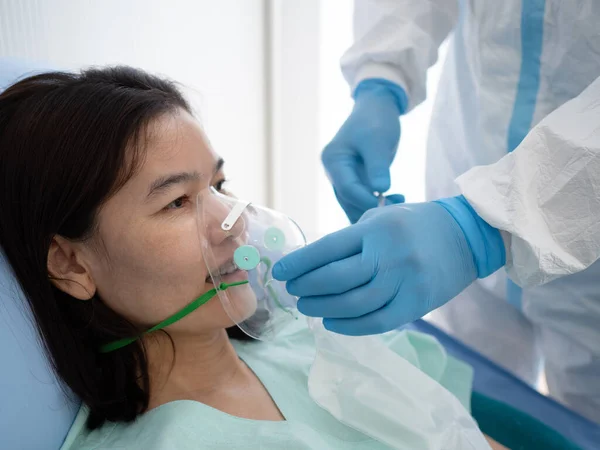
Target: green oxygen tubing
204, 298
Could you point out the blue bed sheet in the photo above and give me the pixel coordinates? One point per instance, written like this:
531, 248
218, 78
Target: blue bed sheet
495, 382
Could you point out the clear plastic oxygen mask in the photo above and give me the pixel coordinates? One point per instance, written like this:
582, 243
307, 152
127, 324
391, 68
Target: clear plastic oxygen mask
241, 242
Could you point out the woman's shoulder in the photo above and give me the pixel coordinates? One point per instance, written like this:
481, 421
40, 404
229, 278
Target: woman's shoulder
80, 437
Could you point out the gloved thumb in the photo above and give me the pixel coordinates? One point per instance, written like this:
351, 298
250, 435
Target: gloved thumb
378, 174
394, 199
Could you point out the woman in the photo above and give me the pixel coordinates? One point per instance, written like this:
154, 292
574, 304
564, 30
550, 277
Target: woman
99, 172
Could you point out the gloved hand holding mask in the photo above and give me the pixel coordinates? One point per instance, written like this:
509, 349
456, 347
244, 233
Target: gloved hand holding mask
394, 266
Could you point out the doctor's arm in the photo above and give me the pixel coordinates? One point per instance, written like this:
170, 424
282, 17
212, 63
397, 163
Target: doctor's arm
398, 41
545, 196
395, 43
536, 212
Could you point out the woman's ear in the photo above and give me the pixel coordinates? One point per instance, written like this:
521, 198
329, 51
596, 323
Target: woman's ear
67, 270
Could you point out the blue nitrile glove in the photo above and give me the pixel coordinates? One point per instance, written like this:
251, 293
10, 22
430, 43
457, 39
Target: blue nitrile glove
359, 157
395, 265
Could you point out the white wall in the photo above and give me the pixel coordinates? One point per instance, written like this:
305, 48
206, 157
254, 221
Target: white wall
216, 48
294, 108
263, 74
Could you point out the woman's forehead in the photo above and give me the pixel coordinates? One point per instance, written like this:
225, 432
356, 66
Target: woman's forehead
176, 145
178, 138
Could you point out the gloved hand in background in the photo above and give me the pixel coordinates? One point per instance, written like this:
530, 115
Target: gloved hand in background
359, 157
394, 266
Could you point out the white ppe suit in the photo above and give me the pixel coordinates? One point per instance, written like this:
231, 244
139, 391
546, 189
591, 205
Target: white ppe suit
520, 96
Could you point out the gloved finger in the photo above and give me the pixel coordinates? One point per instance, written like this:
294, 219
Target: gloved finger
335, 278
387, 318
376, 322
357, 195
333, 247
349, 305
352, 212
343, 172
377, 154
394, 199
378, 173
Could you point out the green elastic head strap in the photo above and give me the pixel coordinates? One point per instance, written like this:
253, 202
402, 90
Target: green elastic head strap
112, 346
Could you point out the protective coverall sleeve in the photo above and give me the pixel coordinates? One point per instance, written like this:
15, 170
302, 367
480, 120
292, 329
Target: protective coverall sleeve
398, 40
545, 195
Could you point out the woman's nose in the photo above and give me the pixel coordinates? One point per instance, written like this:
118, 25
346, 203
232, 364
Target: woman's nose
221, 218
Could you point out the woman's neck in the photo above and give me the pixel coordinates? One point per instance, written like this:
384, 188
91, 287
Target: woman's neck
200, 367
207, 369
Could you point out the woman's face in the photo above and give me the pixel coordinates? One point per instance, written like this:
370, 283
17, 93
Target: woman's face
146, 259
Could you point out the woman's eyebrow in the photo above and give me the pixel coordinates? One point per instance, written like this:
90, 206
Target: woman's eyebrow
162, 184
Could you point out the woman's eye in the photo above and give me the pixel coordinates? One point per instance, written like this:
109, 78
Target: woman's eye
177, 203
220, 185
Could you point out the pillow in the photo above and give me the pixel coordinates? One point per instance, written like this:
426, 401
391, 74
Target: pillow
35, 412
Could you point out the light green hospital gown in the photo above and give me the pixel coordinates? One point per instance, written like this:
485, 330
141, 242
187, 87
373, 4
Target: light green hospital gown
283, 369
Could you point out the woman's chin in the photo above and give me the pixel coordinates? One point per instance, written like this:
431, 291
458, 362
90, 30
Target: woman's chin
238, 302
243, 302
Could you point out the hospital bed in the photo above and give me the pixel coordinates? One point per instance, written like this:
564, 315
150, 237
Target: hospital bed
510, 411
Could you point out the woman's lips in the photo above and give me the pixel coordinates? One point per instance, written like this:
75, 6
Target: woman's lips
234, 277
237, 276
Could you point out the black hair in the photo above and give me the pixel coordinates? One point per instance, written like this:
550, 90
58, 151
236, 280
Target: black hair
67, 143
